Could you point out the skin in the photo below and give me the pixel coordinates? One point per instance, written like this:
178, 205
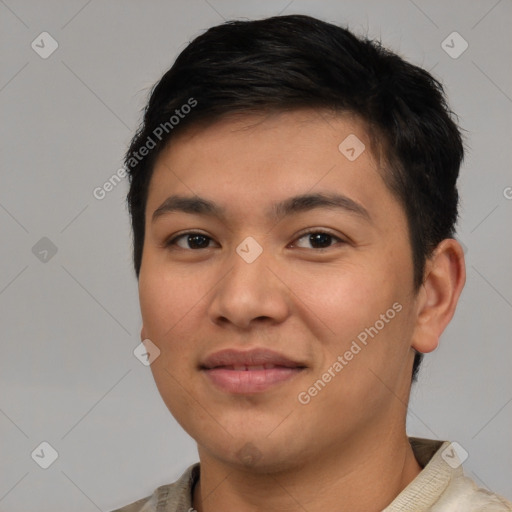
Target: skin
347, 448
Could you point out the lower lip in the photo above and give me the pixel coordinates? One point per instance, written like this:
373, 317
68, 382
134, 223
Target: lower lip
250, 381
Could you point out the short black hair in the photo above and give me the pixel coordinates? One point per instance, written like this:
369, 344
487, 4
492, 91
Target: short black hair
295, 62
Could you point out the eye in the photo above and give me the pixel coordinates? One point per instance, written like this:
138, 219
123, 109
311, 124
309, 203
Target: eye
317, 239
309, 240
190, 240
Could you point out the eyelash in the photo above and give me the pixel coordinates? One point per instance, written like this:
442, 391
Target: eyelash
171, 243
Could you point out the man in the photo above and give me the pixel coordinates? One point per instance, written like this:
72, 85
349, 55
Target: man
293, 200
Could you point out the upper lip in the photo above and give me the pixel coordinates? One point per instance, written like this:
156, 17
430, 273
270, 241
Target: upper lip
253, 357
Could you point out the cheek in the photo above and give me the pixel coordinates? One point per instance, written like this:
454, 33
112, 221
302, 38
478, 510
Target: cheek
166, 299
358, 312
344, 298
167, 306
172, 304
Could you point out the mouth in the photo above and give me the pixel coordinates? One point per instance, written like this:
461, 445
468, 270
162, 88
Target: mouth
246, 372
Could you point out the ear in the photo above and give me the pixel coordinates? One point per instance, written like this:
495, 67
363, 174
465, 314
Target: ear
143, 334
444, 278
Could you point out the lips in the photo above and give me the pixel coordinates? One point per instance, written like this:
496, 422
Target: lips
252, 371
248, 359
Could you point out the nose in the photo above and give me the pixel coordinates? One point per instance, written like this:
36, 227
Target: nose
250, 293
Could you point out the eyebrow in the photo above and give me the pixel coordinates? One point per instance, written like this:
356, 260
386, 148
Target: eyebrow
293, 205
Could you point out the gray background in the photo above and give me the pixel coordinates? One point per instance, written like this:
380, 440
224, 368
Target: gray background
70, 321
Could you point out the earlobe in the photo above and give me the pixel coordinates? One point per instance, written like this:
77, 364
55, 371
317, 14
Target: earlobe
445, 275
143, 334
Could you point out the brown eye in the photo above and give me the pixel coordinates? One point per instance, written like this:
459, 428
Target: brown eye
317, 240
190, 241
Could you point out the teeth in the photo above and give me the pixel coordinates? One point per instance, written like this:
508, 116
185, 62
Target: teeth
240, 368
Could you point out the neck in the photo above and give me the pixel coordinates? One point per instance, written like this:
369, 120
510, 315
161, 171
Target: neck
365, 474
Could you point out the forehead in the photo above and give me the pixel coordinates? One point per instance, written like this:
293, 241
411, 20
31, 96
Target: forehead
252, 160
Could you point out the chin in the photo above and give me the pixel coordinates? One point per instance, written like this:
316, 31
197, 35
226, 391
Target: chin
260, 457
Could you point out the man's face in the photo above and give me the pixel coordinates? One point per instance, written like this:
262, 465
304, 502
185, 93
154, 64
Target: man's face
330, 294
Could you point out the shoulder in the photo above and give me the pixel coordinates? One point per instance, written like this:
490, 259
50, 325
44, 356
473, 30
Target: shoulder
175, 496
141, 505
441, 486
463, 494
